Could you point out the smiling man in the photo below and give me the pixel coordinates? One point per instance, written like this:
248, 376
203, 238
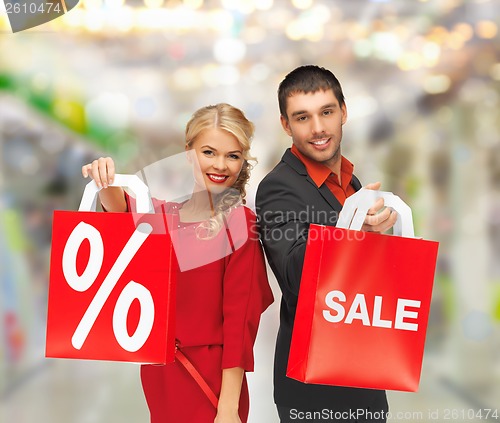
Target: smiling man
310, 185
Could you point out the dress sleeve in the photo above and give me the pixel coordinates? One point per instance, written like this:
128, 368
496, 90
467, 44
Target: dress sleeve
158, 205
246, 291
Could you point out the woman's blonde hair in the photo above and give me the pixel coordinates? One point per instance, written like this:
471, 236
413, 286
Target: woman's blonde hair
231, 119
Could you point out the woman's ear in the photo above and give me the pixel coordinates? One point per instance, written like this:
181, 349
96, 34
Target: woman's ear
188, 154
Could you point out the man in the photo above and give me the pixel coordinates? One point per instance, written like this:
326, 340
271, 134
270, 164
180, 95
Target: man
310, 185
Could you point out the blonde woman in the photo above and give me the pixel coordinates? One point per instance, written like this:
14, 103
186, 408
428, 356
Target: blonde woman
219, 304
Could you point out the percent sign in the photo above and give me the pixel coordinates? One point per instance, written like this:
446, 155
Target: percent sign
131, 291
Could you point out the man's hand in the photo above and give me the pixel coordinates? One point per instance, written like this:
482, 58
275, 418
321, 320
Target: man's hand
379, 218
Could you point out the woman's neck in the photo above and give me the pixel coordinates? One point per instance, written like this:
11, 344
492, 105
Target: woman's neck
198, 208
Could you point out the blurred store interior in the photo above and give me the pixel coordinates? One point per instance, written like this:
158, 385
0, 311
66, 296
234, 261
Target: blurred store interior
121, 78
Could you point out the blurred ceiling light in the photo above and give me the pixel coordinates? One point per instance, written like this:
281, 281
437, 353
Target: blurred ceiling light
243, 6
319, 14
214, 75
315, 34
122, 19
74, 19
438, 34
362, 106
254, 34
92, 4
228, 75
409, 61
363, 48
465, 30
259, 72
431, 53
455, 41
263, 4
486, 29
109, 109
357, 31
208, 75
229, 51
495, 71
294, 31
93, 20
153, 4
386, 46
309, 25
448, 5
220, 20
302, 4
193, 4
437, 84
114, 4
186, 79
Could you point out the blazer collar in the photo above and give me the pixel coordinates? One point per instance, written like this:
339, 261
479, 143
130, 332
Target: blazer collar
293, 161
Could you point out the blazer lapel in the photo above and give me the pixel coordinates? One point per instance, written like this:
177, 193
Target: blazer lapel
293, 161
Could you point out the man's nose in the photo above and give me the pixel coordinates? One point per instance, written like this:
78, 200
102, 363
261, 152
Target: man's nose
317, 125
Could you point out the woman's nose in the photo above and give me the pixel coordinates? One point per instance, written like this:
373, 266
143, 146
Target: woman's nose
220, 163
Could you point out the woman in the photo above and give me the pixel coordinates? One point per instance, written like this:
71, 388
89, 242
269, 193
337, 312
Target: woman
218, 305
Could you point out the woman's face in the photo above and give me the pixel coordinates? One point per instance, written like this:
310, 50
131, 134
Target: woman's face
220, 158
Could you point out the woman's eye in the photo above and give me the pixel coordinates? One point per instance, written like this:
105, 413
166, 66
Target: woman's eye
207, 152
234, 156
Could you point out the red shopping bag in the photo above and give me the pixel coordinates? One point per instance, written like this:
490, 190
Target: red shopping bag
112, 283
364, 302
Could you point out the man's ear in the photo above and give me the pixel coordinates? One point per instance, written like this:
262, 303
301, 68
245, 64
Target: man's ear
344, 113
286, 125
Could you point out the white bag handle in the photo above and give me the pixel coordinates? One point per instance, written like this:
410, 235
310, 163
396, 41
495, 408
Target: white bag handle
139, 188
356, 208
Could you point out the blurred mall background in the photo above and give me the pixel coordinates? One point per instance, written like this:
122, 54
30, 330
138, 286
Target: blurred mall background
121, 78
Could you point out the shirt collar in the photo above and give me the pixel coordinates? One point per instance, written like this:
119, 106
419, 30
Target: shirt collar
319, 172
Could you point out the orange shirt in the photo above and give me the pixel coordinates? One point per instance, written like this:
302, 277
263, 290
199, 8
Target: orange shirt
321, 174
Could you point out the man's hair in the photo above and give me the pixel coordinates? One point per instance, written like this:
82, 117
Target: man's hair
308, 79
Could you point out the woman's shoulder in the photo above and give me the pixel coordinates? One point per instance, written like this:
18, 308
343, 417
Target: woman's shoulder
242, 212
169, 207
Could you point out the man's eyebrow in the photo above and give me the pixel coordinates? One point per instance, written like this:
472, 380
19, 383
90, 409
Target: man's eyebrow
299, 112
326, 106
329, 106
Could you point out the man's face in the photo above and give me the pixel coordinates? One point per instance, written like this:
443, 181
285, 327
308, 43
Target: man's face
315, 124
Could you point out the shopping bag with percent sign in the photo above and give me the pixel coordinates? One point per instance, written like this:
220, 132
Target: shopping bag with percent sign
112, 282
364, 301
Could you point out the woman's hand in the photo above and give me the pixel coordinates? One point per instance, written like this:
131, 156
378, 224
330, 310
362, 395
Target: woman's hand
229, 400
228, 416
102, 171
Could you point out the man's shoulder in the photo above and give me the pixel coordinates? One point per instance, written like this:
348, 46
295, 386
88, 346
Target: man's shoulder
286, 172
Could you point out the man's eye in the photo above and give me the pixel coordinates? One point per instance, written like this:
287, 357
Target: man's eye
302, 118
327, 112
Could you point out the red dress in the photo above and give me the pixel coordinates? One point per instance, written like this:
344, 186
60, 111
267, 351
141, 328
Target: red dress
218, 309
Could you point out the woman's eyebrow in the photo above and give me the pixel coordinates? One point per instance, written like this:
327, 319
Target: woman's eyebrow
212, 148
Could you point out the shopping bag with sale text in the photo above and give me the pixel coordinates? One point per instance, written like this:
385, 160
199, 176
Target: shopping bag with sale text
112, 282
364, 301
